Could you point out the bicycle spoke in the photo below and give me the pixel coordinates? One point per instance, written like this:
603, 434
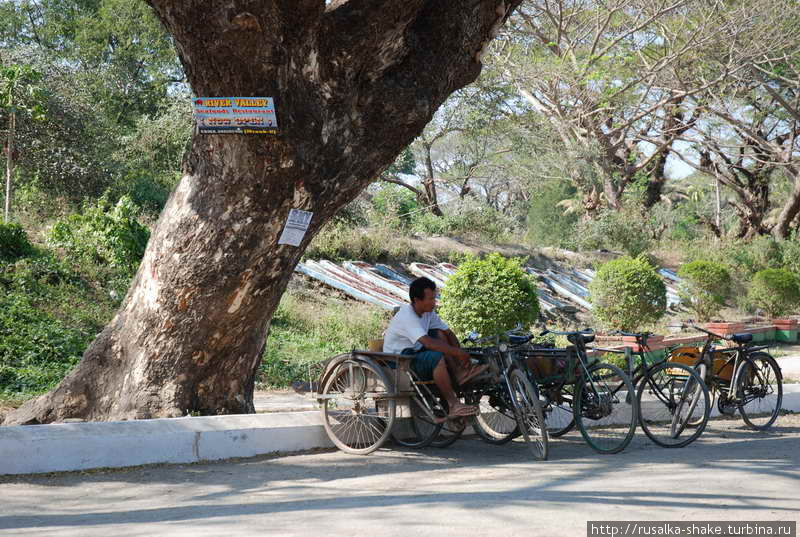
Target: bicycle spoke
670, 398
605, 418
759, 391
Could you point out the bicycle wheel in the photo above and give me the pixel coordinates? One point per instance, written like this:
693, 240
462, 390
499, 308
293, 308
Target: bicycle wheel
417, 428
495, 422
604, 413
670, 396
558, 415
358, 413
450, 431
528, 410
759, 390
701, 369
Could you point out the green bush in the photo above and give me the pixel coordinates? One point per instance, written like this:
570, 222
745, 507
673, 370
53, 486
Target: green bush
704, 288
749, 257
618, 360
776, 291
36, 349
489, 295
13, 242
624, 230
686, 227
150, 193
548, 223
104, 234
339, 242
394, 205
468, 218
627, 294
49, 313
790, 255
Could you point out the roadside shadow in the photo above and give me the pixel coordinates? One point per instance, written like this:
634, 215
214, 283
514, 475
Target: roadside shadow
571, 475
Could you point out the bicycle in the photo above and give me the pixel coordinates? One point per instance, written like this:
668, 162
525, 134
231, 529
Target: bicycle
363, 393
669, 395
576, 391
740, 378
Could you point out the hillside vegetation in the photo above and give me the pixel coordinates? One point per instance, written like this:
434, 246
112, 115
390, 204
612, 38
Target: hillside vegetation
670, 136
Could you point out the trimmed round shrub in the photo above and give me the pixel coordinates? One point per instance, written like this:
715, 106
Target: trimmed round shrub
625, 230
13, 242
104, 233
489, 296
627, 294
776, 291
704, 288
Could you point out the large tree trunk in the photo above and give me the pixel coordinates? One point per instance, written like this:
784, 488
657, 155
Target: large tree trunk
790, 210
354, 82
752, 210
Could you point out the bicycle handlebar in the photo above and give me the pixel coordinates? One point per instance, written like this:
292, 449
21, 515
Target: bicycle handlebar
512, 332
587, 332
690, 324
630, 334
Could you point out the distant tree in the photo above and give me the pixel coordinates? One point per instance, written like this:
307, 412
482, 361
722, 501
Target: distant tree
20, 98
607, 77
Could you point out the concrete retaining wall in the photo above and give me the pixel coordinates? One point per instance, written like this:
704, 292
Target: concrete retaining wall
80, 446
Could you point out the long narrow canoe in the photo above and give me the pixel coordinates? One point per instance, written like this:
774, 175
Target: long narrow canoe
366, 272
571, 285
428, 271
447, 268
388, 272
581, 275
546, 297
355, 281
669, 274
566, 293
317, 273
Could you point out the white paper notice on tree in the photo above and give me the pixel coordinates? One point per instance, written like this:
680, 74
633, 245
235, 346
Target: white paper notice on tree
296, 227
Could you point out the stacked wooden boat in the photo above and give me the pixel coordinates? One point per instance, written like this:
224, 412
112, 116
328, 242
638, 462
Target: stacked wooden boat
559, 289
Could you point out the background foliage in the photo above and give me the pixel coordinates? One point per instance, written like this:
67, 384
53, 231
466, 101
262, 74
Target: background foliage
675, 139
489, 296
705, 287
627, 294
776, 291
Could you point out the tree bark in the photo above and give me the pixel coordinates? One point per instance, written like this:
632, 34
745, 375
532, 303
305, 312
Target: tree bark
354, 82
429, 186
790, 210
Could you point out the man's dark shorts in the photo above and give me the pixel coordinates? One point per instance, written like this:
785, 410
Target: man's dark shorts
425, 360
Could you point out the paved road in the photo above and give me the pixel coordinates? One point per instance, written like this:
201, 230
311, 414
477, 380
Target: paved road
731, 473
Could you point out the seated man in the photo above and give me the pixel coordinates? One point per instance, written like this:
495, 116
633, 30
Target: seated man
417, 330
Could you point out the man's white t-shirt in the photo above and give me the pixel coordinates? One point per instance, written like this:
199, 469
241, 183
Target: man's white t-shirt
406, 327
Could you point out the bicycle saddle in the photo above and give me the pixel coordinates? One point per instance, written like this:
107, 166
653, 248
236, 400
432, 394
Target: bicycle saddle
742, 338
519, 340
587, 338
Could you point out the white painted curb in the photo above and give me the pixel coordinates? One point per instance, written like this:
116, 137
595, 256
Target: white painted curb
64, 447
79, 446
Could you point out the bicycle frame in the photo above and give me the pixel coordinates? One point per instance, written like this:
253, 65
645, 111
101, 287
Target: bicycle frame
738, 355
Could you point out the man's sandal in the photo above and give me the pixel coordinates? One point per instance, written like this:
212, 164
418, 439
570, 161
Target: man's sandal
466, 375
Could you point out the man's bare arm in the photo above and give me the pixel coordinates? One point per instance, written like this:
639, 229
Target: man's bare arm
439, 345
451, 338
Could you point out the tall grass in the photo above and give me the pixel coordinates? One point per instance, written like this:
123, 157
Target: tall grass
308, 328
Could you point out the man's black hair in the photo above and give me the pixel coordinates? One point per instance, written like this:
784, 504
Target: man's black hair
418, 286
